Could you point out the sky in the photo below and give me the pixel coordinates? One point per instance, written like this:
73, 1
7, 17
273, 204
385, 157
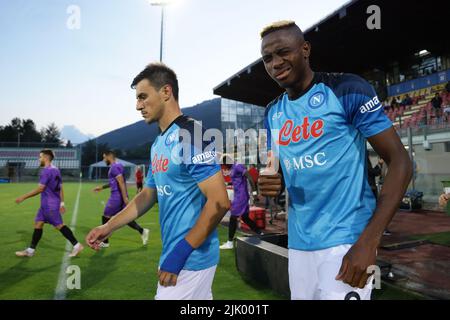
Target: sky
54, 69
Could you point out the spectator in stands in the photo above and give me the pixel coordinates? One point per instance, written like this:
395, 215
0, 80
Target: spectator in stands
436, 102
447, 87
446, 111
407, 101
394, 103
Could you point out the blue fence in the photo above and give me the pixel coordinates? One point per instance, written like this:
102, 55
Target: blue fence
419, 83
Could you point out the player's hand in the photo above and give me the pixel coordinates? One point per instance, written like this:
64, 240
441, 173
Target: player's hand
167, 279
19, 200
355, 263
98, 189
62, 209
126, 201
97, 235
443, 199
270, 184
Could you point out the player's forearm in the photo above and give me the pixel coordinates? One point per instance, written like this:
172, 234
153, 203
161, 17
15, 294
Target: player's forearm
123, 191
61, 194
393, 190
32, 193
137, 207
210, 217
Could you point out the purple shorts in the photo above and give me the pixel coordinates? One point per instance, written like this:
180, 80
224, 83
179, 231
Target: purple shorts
113, 206
50, 216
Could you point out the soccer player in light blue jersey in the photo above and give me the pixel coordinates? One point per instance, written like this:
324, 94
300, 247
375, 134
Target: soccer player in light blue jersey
318, 130
185, 177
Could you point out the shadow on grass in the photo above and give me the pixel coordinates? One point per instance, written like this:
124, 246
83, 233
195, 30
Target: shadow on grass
19, 272
100, 266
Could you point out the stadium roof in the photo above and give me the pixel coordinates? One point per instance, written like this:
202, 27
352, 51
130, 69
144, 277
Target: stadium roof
341, 42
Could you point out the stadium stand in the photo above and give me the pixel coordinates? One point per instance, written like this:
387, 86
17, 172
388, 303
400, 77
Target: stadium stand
420, 112
19, 164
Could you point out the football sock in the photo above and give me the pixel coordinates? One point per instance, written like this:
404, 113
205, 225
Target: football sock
135, 226
37, 235
232, 226
68, 234
105, 220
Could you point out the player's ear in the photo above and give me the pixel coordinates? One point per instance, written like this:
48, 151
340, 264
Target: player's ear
306, 49
166, 92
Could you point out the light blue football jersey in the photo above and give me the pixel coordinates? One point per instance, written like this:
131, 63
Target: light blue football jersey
321, 141
178, 164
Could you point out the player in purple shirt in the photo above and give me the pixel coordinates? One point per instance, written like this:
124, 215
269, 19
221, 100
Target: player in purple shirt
52, 205
240, 204
119, 195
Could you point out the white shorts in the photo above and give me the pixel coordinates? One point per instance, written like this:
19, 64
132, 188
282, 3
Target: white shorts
312, 276
191, 285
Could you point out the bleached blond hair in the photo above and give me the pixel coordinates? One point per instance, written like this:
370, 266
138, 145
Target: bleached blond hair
277, 25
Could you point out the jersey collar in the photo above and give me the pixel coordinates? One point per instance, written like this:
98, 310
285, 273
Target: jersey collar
168, 127
302, 93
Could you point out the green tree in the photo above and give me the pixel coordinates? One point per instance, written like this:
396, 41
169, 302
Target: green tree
69, 144
29, 132
51, 134
25, 128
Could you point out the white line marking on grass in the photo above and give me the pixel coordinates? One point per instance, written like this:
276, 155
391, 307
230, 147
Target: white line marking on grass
61, 287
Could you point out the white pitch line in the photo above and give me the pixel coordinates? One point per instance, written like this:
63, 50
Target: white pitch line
61, 287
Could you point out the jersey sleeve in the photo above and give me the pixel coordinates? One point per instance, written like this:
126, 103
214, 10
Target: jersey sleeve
361, 105
199, 157
44, 177
116, 171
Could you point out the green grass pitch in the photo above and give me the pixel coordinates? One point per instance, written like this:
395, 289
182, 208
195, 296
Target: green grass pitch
126, 270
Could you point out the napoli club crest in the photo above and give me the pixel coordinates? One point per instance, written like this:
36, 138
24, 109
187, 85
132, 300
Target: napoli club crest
317, 100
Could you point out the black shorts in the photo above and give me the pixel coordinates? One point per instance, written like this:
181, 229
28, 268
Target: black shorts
139, 185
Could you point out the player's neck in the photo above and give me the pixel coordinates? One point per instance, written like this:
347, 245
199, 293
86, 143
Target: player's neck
47, 164
301, 86
171, 113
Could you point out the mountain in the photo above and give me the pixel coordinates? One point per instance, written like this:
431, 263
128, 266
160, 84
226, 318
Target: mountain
140, 133
72, 133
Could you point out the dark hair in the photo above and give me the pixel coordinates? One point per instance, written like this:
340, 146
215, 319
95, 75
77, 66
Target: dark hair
159, 75
109, 152
49, 153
